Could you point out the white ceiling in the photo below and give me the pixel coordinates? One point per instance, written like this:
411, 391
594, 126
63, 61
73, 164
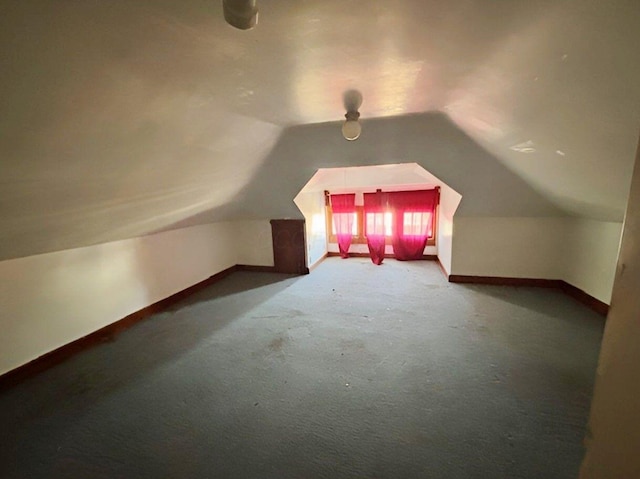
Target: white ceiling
120, 118
403, 177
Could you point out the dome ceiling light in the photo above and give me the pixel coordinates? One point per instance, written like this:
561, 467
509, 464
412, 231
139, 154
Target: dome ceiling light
242, 14
351, 128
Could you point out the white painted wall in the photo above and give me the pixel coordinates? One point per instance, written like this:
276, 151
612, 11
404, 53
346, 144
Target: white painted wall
312, 206
508, 247
591, 254
253, 242
449, 201
581, 252
49, 300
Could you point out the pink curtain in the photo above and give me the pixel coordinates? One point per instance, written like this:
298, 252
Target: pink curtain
413, 213
343, 208
374, 209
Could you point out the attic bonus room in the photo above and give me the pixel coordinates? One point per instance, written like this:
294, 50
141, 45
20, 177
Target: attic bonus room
320, 239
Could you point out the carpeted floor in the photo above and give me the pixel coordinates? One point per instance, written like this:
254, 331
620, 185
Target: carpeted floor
355, 371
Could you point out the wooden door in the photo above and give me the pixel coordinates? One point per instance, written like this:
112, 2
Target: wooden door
289, 246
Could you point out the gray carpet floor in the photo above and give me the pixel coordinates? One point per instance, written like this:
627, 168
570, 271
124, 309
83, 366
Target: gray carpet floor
354, 371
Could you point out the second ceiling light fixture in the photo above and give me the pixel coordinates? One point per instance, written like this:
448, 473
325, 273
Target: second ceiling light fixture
242, 14
351, 128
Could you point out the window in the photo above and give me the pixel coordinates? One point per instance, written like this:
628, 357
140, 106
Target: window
406, 220
379, 223
416, 223
412, 224
356, 228
344, 217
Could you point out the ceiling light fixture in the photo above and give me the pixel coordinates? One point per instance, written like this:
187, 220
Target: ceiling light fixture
351, 128
242, 14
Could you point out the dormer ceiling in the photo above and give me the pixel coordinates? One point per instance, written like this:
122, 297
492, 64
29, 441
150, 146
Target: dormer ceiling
122, 118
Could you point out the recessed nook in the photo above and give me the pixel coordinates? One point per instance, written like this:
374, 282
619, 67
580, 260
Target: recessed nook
312, 202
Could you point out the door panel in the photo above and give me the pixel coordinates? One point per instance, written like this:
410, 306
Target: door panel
289, 246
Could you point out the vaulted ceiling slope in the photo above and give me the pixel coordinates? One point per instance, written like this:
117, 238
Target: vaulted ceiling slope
122, 118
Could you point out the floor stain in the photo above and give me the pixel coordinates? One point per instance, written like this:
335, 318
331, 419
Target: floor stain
353, 344
277, 344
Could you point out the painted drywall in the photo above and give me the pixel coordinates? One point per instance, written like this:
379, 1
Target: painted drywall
591, 254
508, 247
253, 242
360, 179
581, 252
49, 300
449, 201
613, 441
311, 204
138, 116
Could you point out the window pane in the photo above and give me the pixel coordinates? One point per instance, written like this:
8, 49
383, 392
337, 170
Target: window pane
388, 217
416, 223
343, 219
378, 223
375, 224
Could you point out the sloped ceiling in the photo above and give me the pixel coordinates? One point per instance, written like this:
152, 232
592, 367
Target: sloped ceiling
122, 118
407, 176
